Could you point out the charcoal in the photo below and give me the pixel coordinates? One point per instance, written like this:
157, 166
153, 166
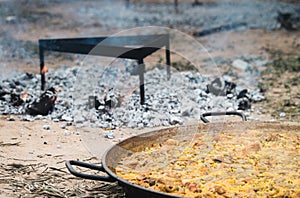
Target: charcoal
242, 94
3, 95
94, 102
216, 87
244, 104
16, 100
43, 105
287, 20
112, 99
12, 98
229, 87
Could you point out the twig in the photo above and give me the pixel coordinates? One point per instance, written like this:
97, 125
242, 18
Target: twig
53, 191
27, 127
16, 165
61, 155
57, 169
60, 161
9, 144
88, 159
39, 180
25, 160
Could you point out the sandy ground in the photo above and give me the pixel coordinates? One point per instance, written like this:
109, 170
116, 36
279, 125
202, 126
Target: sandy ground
32, 159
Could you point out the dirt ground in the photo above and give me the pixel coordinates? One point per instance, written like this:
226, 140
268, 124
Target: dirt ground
32, 159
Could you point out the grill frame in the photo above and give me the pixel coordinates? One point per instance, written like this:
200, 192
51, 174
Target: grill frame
130, 47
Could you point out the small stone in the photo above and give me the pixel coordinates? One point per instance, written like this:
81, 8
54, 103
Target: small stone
10, 118
109, 134
66, 118
282, 114
240, 64
69, 123
63, 126
58, 146
47, 127
55, 120
26, 118
67, 133
175, 120
10, 19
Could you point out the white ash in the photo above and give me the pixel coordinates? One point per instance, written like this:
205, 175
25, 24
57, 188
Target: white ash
168, 102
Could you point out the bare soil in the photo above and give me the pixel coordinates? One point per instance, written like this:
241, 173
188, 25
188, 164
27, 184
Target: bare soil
33, 159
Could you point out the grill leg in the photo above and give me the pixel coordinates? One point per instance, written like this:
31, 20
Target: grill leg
142, 81
168, 59
43, 78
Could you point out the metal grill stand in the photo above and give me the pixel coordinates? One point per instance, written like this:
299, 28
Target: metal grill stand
130, 47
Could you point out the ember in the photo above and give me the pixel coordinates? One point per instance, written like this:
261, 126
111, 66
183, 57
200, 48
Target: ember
44, 70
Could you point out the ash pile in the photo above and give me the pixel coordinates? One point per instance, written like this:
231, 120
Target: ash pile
111, 98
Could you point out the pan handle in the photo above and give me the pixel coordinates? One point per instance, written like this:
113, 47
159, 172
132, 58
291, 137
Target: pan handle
202, 116
71, 163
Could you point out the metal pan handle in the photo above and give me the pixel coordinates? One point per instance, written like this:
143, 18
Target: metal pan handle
202, 116
71, 163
